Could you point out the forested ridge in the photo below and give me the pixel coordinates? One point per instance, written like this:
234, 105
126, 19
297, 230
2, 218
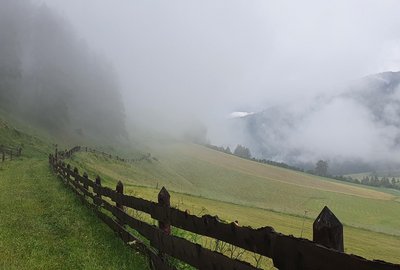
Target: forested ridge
51, 77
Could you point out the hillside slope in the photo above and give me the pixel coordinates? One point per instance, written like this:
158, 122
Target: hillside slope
205, 181
203, 172
43, 225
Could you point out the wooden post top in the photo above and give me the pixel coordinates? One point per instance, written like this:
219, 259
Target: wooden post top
164, 197
120, 187
327, 219
328, 230
98, 180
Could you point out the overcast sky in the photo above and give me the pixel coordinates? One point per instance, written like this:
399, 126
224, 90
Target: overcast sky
209, 58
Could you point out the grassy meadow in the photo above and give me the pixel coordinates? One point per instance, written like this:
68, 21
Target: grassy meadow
207, 181
43, 225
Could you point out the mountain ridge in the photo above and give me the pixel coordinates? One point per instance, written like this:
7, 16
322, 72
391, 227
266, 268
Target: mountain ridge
365, 115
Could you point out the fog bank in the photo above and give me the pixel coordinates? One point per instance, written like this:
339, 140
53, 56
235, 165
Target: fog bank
180, 60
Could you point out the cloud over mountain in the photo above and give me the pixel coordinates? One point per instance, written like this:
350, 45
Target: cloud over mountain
361, 124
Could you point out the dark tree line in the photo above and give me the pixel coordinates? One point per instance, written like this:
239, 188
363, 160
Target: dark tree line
240, 150
244, 152
373, 180
321, 168
226, 150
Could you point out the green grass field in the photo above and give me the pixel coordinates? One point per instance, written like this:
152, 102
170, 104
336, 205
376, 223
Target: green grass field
255, 194
43, 225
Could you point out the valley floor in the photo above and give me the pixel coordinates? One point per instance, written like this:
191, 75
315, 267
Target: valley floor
44, 226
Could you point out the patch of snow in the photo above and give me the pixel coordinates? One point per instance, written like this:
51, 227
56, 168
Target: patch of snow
240, 114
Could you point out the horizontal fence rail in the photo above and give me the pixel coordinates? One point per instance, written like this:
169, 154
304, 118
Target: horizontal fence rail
8, 152
287, 252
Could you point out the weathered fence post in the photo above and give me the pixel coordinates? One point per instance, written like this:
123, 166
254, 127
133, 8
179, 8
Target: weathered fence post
63, 173
3, 156
51, 160
76, 174
97, 190
68, 173
85, 181
119, 189
164, 200
11, 154
56, 153
328, 230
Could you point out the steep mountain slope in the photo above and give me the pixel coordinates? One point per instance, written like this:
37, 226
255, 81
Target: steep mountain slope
50, 77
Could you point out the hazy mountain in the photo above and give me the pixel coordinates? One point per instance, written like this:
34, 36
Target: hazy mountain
50, 76
357, 129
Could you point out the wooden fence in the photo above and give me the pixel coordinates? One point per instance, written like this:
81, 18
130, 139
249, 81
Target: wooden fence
287, 252
7, 152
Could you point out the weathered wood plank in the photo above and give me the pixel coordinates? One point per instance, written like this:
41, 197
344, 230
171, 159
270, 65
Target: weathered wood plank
83, 189
255, 240
134, 242
295, 253
63, 173
179, 248
83, 180
261, 241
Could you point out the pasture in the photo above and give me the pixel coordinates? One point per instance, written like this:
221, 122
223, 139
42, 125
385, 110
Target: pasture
204, 180
43, 225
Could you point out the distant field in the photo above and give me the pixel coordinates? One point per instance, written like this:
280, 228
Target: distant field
275, 173
369, 244
187, 169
